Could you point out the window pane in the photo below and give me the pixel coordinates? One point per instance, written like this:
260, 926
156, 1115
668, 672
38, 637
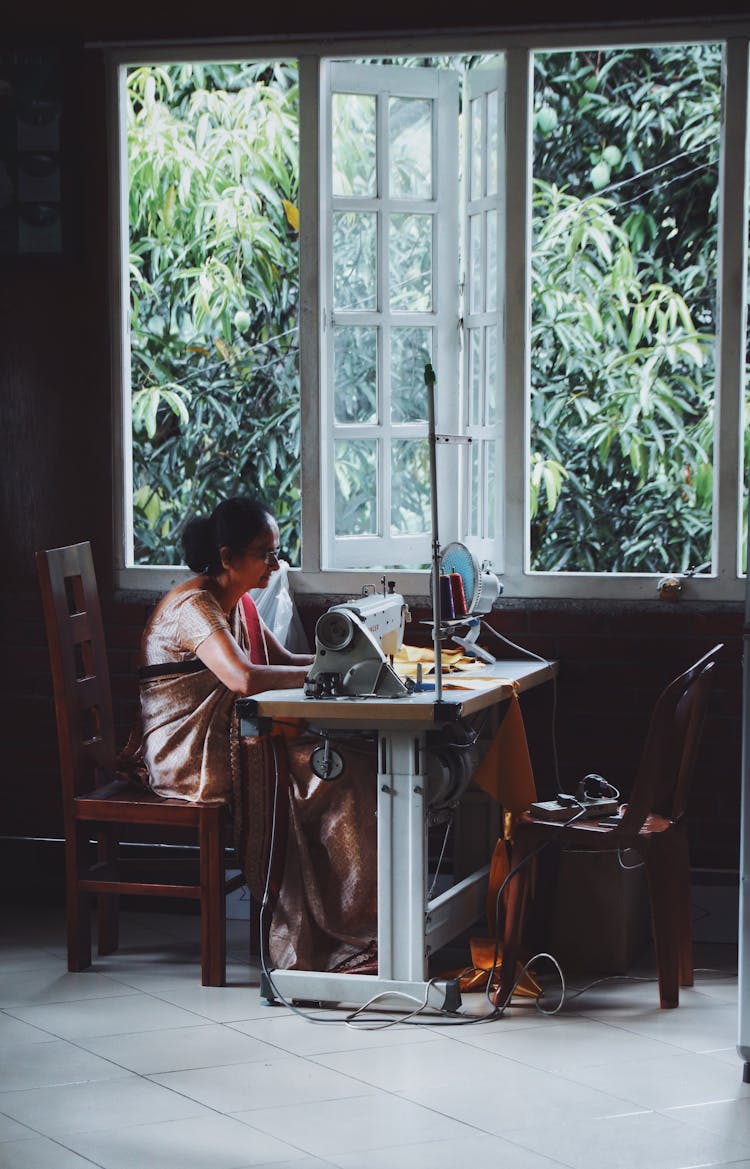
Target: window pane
356, 487
489, 488
491, 228
353, 146
354, 260
493, 157
475, 264
410, 487
625, 182
411, 148
410, 249
475, 130
214, 378
475, 377
355, 374
475, 462
411, 350
491, 373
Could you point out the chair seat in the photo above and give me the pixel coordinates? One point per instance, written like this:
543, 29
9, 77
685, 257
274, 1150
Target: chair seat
140, 804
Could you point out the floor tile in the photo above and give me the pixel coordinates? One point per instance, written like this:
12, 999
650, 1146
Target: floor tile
514, 1097
252, 1086
50, 985
112, 1016
729, 1117
101, 1104
451, 1154
16, 1031
398, 1068
564, 1043
356, 1124
302, 1036
38, 1065
629, 1142
212, 1142
185, 1048
695, 1026
11, 1130
134, 1060
666, 1082
40, 1153
221, 1004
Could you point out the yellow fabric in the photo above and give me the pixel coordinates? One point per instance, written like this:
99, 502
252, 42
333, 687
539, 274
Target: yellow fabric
505, 772
406, 660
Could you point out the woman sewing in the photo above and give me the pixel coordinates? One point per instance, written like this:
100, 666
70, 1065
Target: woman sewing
203, 647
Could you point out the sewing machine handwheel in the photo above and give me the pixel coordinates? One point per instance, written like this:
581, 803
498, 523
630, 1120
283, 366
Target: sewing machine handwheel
326, 764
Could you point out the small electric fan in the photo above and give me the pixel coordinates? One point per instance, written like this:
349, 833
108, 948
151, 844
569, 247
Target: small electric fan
481, 587
481, 590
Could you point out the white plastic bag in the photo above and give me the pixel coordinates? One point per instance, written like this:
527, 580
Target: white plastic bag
278, 612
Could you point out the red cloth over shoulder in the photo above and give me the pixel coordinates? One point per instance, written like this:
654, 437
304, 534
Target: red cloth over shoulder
258, 651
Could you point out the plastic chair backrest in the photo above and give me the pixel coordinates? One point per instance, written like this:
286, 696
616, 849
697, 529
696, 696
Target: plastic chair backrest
668, 759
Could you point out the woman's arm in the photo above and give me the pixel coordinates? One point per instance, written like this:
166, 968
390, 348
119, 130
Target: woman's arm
223, 656
279, 655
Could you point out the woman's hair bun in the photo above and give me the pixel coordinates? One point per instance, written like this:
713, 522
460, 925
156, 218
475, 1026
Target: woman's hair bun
233, 524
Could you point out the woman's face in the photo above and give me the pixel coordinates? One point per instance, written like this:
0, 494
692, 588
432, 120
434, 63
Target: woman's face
256, 563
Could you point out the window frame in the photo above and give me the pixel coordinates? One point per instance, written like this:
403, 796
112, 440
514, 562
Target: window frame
726, 583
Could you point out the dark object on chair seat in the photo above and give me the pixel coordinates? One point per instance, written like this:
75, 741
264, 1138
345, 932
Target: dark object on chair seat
99, 803
653, 824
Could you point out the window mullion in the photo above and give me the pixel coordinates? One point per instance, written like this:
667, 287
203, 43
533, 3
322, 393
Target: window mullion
517, 188
732, 292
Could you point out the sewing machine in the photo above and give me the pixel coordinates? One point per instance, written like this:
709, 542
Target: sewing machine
352, 644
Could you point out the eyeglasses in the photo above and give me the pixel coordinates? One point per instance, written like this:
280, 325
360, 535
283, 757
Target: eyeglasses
270, 556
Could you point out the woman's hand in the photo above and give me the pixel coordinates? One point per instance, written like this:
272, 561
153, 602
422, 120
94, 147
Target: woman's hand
223, 656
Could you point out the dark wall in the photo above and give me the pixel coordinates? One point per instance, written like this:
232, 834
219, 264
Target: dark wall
56, 485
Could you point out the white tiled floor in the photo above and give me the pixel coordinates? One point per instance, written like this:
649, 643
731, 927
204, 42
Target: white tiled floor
134, 1065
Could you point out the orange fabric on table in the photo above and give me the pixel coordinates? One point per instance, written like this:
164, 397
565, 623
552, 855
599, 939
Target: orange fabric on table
505, 772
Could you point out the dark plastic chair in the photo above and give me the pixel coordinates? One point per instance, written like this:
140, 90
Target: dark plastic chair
653, 824
101, 804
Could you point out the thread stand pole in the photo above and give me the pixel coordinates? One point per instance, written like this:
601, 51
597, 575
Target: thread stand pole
437, 619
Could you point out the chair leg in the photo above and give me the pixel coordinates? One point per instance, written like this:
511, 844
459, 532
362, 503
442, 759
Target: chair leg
108, 904
77, 905
664, 887
685, 918
213, 898
515, 913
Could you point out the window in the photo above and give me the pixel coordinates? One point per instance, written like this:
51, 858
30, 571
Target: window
548, 228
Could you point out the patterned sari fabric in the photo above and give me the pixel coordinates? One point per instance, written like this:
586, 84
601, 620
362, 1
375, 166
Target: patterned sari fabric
310, 844
314, 842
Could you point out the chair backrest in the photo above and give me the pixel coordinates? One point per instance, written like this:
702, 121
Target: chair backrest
668, 759
80, 670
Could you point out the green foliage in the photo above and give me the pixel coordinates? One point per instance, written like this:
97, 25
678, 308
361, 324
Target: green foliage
625, 166
214, 296
623, 304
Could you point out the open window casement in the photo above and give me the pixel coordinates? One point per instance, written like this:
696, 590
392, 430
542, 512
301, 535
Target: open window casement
483, 361
390, 295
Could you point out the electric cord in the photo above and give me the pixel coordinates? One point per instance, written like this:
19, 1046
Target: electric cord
353, 1018
448, 827
445, 1017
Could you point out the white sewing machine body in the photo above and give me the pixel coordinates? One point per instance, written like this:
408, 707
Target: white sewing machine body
352, 644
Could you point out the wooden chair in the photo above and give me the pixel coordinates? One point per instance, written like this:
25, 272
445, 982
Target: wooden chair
102, 804
653, 824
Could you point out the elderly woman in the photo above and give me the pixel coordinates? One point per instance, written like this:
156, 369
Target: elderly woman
203, 647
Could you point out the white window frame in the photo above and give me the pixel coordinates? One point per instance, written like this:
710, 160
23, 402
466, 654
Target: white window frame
441, 89
726, 583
